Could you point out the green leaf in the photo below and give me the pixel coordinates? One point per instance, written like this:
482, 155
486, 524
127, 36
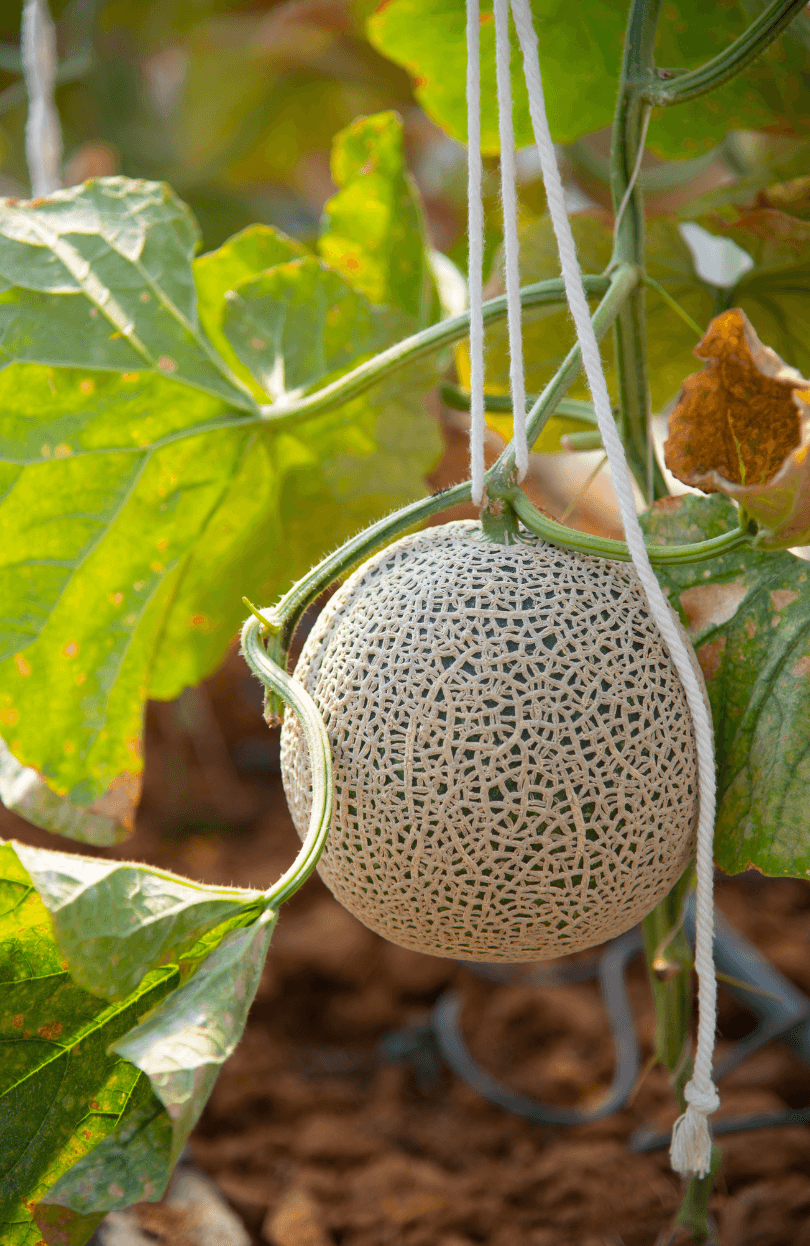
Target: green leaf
86, 588
185, 504
110, 263
26, 793
61, 1090
115, 921
184, 1042
299, 325
96, 1098
548, 333
300, 322
241, 258
374, 230
131, 1165
580, 58
748, 616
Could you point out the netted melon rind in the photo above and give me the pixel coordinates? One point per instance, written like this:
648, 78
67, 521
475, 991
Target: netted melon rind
515, 770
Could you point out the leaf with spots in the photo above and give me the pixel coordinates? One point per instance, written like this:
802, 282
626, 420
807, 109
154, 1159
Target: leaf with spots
139, 503
742, 427
748, 616
374, 228
253, 251
109, 262
98, 1095
184, 1042
61, 1090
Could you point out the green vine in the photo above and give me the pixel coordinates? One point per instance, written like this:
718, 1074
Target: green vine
295, 695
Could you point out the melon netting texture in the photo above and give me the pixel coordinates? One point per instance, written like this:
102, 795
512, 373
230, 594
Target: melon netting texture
515, 770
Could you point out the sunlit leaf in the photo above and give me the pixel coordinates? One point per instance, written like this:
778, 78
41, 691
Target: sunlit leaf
188, 498
241, 258
132, 1164
580, 50
742, 427
300, 322
110, 263
114, 920
374, 230
61, 1090
748, 616
97, 1098
184, 1042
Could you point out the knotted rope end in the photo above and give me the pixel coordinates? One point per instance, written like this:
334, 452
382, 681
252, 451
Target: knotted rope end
691, 1149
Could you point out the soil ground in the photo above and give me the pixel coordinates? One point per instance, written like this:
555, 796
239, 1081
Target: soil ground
315, 1138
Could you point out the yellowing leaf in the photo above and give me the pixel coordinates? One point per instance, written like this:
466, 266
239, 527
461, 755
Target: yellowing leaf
742, 427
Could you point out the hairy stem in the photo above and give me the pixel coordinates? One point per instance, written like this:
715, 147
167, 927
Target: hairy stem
667, 87
427, 342
669, 964
606, 547
284, 617
571, 408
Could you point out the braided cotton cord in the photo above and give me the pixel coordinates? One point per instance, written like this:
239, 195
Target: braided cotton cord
510, 234
691, 1141
43, 137
475, 219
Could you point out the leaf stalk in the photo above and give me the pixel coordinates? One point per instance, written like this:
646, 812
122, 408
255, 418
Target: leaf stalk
606, 547
428, 341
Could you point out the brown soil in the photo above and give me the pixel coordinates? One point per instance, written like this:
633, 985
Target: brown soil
316, 1139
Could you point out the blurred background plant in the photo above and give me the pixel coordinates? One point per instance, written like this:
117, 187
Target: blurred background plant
236, 103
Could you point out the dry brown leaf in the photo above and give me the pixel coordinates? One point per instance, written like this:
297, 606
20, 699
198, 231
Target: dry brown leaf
742, 427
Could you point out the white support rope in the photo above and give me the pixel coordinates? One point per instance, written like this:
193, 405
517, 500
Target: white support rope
43, 136
511, 242
475, 268
691, 1140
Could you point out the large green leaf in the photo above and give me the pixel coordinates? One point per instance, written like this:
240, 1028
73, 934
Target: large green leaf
549, 333
109, 262
97, 1098
114, 920
86, 586
139, 506
580, 58
61, 1090
374, 229
748, 615
184, 1042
